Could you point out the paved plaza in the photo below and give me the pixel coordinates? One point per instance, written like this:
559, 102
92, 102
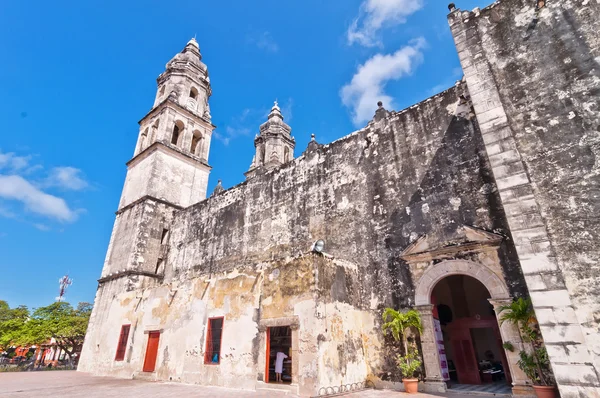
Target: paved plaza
71, 384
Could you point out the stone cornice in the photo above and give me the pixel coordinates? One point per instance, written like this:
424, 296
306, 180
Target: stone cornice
123, 274
145, 198
166, 103
171, 150
450, 251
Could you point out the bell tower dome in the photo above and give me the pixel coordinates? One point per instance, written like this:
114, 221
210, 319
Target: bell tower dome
274, 144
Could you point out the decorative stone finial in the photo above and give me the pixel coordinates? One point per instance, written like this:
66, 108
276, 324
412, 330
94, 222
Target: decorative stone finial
275, 111
193, 42
312, 144
380, 113
218, 189
451, 7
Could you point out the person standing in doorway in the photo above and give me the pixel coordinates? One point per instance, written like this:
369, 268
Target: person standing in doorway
279, 366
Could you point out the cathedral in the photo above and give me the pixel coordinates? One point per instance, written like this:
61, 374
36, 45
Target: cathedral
486, 192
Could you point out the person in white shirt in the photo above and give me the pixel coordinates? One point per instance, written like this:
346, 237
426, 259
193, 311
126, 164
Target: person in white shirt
279, 366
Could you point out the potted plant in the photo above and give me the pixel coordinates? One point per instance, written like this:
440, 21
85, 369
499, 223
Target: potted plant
397, 323
534, 361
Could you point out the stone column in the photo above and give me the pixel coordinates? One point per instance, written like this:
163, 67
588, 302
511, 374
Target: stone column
509, 332
431, 359
262, 355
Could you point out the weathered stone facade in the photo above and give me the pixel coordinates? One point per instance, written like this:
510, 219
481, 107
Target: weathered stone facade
495, 178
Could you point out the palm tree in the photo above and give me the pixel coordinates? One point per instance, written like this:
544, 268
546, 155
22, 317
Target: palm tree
520, 312
397, 322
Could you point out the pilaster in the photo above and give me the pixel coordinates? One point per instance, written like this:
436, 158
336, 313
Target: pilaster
563, 336
431, 358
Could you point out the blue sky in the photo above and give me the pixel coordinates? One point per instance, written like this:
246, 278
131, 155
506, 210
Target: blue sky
77, 76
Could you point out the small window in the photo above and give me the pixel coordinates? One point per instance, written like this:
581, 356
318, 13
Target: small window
196, 138
162, 91
159, 266
122, 346
193, 93
212, 354
286, 154
175, 136
164, 236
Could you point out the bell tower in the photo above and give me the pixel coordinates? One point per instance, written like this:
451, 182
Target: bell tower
169, 169
274, 144
170, 161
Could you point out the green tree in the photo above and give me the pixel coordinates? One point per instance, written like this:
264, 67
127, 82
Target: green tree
12, 324
535, 364
67, 325
397, 323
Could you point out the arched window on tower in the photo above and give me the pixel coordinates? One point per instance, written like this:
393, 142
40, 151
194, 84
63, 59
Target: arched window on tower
286, 154
260, 161
161, 92
195, 148
177, 129
192, 102
143, 140
153, 130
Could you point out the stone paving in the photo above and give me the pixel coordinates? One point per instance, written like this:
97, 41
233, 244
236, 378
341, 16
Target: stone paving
72, 384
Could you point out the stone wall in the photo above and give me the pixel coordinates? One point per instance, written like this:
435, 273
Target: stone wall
368, 196
534, 79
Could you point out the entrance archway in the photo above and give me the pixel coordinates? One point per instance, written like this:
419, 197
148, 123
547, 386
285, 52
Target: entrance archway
470, 334
498, 295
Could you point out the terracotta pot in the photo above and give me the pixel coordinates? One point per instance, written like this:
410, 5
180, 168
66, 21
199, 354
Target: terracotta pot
546, 391
411, 386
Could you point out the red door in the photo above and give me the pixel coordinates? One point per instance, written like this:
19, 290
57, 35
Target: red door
464, 356
268, 354
151, 351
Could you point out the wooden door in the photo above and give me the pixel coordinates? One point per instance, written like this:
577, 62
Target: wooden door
464, 356
151, 351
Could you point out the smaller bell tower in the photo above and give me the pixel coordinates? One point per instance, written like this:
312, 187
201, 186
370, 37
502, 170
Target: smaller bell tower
274, 144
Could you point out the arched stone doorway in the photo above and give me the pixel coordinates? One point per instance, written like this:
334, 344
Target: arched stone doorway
468, 335
445, 280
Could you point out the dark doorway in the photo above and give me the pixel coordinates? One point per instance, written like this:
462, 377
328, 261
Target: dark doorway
279, 354
151, 351
472, 341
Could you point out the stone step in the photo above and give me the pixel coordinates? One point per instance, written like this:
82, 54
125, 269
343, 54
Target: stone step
146, 376
286, 389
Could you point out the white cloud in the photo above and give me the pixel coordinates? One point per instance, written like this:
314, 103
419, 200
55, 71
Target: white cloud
13, 162
265, 42
377, 14
367, 85
67, 178
14, 187
42, 227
